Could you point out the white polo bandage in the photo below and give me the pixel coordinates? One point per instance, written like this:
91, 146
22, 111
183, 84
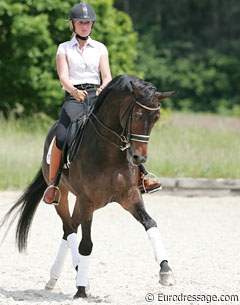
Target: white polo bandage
157, 244
73, 245
82, 274
57, 266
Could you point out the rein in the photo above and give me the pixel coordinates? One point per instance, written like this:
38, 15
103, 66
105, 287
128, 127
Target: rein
121, 137
125, 137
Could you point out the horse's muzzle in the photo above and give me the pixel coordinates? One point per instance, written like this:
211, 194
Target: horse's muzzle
138, 152
137, 160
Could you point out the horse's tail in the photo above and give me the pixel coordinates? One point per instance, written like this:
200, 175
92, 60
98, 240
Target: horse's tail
26, 207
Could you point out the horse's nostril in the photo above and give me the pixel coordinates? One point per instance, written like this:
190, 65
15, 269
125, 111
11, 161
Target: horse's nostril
139, 159
135, 158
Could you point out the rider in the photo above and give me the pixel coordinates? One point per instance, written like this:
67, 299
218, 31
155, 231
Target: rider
80, 62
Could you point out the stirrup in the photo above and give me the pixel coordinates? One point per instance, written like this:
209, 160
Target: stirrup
56, 195
156, 179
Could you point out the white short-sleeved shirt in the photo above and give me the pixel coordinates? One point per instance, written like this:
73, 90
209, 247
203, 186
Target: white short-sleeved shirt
83, 64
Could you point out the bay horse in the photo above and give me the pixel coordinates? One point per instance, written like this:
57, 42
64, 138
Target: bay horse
105, 169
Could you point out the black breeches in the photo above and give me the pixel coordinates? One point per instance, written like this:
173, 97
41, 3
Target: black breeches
71, 111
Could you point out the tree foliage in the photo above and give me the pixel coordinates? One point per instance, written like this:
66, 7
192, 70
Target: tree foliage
30, 32
192, 46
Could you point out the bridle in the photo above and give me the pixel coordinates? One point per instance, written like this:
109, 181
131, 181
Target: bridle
148, 108
125, 137
142, 138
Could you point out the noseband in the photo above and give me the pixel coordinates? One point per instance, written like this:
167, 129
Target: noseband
125, 137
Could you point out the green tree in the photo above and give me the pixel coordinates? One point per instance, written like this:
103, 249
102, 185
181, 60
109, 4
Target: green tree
30, 31
192, 46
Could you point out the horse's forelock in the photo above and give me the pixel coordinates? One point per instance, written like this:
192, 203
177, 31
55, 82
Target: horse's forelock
147, 90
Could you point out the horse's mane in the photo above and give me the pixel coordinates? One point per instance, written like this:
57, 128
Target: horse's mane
122, 83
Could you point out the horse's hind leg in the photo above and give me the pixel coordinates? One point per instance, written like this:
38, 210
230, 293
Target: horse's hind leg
65, 244
161, 257
57, 266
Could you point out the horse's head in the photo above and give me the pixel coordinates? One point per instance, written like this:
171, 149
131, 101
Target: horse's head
127, 110
145, 113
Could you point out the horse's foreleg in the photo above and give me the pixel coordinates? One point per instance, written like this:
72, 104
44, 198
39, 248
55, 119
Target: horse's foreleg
85, 250
165, 274
73, 238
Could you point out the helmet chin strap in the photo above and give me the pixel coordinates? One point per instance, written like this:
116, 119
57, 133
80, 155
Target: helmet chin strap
81, 37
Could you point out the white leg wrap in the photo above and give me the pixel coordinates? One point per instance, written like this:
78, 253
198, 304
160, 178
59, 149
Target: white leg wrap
57, 266
73, 245
82, 274
157, 244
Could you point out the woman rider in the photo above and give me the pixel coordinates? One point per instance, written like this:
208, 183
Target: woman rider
80, 62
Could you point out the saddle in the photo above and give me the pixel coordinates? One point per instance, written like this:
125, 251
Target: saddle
73, 139
75, 133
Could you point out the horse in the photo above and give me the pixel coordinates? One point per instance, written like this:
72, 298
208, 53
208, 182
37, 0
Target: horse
105, 169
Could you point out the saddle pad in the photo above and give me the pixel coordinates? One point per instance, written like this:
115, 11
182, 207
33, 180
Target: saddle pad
48, 156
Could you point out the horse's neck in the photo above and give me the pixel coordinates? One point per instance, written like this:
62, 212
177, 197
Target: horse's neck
112, 109
109, 112
107, 127
101, 148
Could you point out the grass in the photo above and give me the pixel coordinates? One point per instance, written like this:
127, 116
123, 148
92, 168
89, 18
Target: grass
181, 145
199, 148
21, 147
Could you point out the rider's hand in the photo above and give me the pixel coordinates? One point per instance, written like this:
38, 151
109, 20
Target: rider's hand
79, 95
99, 90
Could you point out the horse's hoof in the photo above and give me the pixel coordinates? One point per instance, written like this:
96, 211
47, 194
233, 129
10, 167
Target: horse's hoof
167, 278
80, 293
50, 284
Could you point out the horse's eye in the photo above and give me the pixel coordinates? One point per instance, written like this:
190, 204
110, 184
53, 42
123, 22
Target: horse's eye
157, 116
137, 115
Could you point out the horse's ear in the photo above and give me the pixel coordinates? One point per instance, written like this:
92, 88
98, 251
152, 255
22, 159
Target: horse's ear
136, 91
162, 95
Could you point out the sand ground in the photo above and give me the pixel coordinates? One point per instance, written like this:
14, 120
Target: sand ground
201, 235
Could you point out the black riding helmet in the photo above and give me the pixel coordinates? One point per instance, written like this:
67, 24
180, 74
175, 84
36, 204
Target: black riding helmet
82, 12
